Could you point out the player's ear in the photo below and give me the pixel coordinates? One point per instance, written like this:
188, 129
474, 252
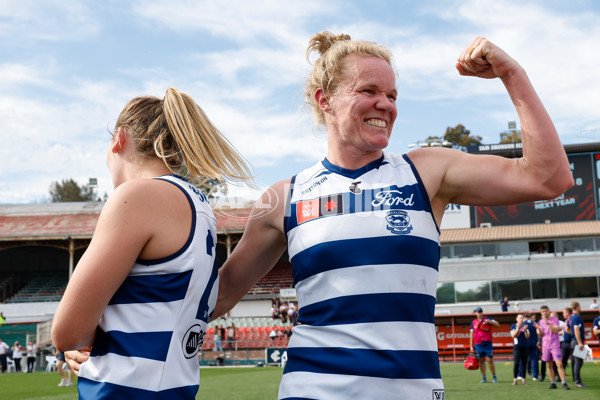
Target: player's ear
119, 139
322, 99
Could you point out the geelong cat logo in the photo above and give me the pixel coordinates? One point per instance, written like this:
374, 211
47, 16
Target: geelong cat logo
398, 222
192, 341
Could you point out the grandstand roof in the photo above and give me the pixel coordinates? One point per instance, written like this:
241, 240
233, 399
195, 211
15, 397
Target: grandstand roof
78, 220
521, 232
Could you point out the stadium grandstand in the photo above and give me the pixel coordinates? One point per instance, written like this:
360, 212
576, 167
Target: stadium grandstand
545, 252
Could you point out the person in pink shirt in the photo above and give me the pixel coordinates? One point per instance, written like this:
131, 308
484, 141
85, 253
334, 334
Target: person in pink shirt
481, 342
548, 328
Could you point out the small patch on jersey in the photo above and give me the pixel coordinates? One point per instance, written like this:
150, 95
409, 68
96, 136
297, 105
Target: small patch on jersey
307, 210
398, 222
325, 206
437, 394
192, 341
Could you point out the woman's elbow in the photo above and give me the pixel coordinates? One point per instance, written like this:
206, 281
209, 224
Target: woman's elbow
60, 339
65, 338
556, 185
560, 184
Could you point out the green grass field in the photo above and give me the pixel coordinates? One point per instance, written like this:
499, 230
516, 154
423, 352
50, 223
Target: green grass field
262, 383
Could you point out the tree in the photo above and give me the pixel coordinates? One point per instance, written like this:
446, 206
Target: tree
510, 137
460, 137
68, 190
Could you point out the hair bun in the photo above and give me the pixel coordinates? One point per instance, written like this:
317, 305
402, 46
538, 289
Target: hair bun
323, 41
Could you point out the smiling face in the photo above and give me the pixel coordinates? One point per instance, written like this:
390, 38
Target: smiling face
363, 110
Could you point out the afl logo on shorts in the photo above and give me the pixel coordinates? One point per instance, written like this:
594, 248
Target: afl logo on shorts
398, 222
192, 341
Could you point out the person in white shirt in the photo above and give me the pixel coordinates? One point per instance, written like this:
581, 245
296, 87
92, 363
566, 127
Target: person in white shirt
31, 351
17, 350
3, 350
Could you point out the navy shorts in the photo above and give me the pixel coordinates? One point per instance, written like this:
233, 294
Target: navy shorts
484, 349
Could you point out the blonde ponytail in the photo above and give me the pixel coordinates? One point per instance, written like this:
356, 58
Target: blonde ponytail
206, 153
176, 130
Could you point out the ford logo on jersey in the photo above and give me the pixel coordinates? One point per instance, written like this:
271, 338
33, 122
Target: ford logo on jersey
398, 222
392, 198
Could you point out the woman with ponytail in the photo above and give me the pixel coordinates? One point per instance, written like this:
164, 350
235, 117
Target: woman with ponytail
146, 287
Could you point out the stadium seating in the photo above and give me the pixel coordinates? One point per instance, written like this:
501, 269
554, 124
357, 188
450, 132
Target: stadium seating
47, 286
252, 333
280, 277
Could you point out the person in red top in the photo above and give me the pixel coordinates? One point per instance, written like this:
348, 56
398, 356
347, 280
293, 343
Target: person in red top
481, 342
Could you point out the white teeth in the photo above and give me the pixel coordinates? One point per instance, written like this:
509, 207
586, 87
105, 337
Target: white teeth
376, 122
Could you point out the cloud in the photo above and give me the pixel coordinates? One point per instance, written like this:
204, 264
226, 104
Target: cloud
48, 20
244, 64
262, 22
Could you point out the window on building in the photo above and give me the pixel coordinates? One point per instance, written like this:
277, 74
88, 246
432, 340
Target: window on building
468, 250
489, 250
578, 245
513, 248
518, 290
541, 247
578, 287
544, 288
472, 291
445, 251
445, 293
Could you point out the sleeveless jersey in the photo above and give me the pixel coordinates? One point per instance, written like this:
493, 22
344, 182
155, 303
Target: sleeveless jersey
364, 248
147, 342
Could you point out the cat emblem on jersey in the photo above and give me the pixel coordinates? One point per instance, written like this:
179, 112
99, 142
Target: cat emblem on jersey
398, 222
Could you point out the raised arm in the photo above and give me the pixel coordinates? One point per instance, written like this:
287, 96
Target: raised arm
262, 244
542, 173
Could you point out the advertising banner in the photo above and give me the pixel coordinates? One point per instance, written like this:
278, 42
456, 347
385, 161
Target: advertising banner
577, 204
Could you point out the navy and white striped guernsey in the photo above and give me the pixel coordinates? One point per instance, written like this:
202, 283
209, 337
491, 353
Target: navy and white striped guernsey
364, 247
147, 341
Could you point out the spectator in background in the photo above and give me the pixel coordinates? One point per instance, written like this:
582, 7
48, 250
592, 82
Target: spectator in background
565, 346
231, 336
551, 353
60, 362
534, 354
17, 355
516, 307
283, 311
594, 305
274, 311
3, 352
481, 342
577, 331
2, 319
504, 304
31, 355
520, 334
218, 339
288, 331
293, 313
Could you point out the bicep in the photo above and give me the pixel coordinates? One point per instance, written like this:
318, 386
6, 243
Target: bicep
452, 176
489, 180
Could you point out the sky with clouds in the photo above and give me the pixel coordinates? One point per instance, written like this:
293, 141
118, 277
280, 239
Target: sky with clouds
68, 67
